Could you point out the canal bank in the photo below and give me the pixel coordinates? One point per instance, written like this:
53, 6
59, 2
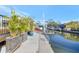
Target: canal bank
35, 44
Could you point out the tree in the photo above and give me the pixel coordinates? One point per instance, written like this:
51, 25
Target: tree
14, 24
74, 25
53, 23
18, 24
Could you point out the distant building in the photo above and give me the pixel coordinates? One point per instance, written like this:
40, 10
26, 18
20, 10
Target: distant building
3, 24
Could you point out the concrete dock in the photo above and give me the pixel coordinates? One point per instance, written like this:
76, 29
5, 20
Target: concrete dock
35, 44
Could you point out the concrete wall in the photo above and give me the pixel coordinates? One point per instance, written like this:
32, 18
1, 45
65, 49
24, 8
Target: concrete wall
12, 43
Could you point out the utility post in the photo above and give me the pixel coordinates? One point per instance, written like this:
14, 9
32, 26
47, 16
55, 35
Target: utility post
44, 22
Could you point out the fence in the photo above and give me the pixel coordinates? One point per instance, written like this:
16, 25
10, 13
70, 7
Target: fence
13, 43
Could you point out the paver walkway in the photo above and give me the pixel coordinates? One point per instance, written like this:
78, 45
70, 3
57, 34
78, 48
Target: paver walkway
44, 46
35, 44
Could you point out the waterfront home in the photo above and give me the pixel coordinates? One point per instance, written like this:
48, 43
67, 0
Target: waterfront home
68, 29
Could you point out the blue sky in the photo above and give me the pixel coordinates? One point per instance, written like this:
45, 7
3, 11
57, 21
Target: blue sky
61, 13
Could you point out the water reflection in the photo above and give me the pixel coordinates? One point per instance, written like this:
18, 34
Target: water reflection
70, 36
62, 42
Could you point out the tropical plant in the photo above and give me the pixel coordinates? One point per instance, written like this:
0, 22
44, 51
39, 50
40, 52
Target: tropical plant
18, 24
13, 23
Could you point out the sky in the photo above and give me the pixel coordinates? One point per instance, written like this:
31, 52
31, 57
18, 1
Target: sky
59, 13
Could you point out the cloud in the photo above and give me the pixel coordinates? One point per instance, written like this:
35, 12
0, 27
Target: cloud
7, 10
19, 12
66, 21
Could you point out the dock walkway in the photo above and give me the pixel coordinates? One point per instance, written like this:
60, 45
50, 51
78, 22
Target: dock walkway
35, 44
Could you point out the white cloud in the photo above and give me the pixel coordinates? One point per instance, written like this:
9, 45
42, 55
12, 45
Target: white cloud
7, 10
19, 12
66, 21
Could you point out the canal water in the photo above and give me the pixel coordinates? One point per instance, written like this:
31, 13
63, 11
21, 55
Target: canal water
62, 42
